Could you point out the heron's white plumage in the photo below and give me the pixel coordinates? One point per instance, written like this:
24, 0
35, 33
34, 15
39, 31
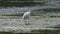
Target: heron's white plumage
26, 15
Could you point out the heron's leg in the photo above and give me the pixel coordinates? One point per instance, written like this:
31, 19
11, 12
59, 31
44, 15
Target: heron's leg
29, 22
25, 21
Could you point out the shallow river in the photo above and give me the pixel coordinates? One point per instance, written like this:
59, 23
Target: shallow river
16, 24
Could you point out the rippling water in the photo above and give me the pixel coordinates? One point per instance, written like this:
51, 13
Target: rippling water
16, 24
15, 10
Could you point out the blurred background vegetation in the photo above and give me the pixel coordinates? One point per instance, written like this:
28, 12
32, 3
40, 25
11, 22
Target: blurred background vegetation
18, 3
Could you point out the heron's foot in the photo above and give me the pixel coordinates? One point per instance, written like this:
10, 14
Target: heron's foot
27, 23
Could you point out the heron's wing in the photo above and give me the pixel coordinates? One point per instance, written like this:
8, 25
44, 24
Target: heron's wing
26, 15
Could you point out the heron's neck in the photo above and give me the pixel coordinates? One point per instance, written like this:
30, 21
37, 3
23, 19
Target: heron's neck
29, 10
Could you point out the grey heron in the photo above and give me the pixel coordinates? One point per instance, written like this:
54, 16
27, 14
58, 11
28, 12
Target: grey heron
26, 16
